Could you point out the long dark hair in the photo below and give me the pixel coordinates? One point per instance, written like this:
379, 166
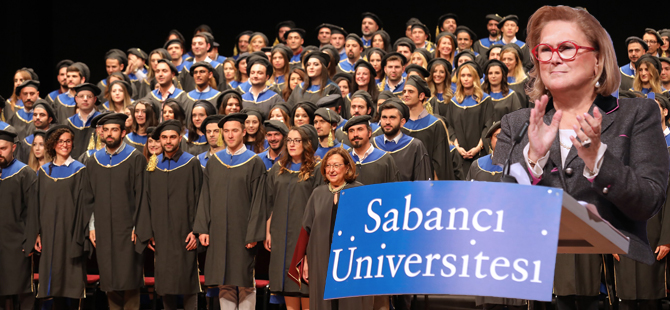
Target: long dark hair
286, 92
504, 87
150, 120
209, 110
176, 110
308, 160
259, 137
373, 90
287, 67
324, 78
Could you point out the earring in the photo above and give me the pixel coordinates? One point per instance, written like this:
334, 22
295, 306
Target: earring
597, 84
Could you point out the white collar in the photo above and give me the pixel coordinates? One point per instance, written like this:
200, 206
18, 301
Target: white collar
238, 152
366, 154
396, 139
67, 162
666, 131
204, 91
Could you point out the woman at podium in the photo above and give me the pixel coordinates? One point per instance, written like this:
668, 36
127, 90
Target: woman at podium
599, 149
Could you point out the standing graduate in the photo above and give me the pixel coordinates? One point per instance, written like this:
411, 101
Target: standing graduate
509, 26
61, 77
144, 116
22, 120
116, 175
65, 105
313, 250
325, 123
393, 64
194, 141
636, 47
18, 187
483, 45
166, 218
403, 148
504, 99
468, 113
65, 201
638, 285
210, 128
374, 165
428, 129
289, 185
510, 55
317, 84
294, 38
231, 180
259, 95
275, 135
254, 139
165, 72
86, 97
205, 79
115, 61
95, 141
439, 83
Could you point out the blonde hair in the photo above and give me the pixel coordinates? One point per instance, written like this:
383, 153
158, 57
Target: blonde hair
654, 80
607, 72
14, 98
518, 72
425, 61
251, 47
477, 92
447, 93
449, 57
33, 161
126, 97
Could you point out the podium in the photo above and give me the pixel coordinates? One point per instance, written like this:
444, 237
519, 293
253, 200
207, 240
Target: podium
583, 231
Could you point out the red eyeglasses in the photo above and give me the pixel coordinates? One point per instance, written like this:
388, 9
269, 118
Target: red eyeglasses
566, 50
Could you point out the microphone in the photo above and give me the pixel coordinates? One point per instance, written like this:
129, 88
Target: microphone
516, 139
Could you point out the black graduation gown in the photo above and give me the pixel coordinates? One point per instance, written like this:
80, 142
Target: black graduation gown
18, 189
82, 133
286, 202
520, 89
65, 199
433, 133
508, 103
196, 147
117, 184
457, 163
312, 94
318, 222
378, 167
22, 121
468, 120
64, 107
167, 213
626, 79
225, 207
635, 280
411, 153
179, 95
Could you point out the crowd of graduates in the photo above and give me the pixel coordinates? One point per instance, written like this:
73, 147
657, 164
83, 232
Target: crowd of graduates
183, 150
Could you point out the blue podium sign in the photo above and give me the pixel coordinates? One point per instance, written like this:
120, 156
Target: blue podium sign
445, 237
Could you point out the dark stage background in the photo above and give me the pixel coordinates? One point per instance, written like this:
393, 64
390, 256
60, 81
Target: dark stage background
39, 35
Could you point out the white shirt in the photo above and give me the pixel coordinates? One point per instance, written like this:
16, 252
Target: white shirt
396, 139
238, 152
366, 154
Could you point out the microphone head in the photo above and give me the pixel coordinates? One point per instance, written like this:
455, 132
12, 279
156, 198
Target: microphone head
521, 132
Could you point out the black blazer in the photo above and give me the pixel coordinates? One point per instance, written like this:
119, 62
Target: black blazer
631, 185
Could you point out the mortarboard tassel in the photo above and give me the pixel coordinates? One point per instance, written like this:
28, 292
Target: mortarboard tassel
219, 140
235, 51
153, 162
276, 42
428, 107
91, 144
331, 143
98, 143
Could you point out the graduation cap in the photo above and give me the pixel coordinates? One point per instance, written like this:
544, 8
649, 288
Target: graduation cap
419, 83
440, 61
150, 131
496, 62
263, 36
254, 111
96, 119
260, 61
208, 106
84, 71
369, 51
173, 41
2, 102
281, 48
443, 34
659, 39
664, 101
467, 30
495, 17
495, 126
354, 37
306, 50
334, 29
212, 119
163, 53
313, 135
129, 89
508, 18
202, 28
444, 17
386, 95
309, 108
239, 59
275, 125
425, 53
464, 53
363, 63
395, 103
500, 46
365, 96
332, 51
324, 25
8, 134
282, 106
204, 64
412, 21
286, 23
173, 68
418, 69
328, 115
33, 75
232, 92
357, 120
629, 40
117, 54
113, 119
299, 31
43, 104
138, 52
266, 49
423, 27
29, 83
330, 101
474, 65
374, 17
404, 41
653, 60
178, 34
171, 124
321, 56
54, 128
87, 86
403, 60
41, 133
664, 32
343, 75
63, 64
237, 117
664, 59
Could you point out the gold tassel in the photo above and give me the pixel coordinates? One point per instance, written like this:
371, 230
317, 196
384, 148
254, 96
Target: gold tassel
153, 162
235, 51
331, 143
98, 144
219, 140
437, 31
276, 42
428, 107
91, 144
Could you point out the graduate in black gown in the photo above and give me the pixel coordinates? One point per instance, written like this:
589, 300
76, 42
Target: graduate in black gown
503, 98
144, 116
167, 214
289, 185
22, 120
374, 165
468, 113
231, 180
65, 105
311, 255
275, 135
431, 130
65, 200
325, 123
439, 82
638, 285
18, 187
318, 84
636, 47
511, 56
210, 128
410, 152
80, 123
194, 141
117, 180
